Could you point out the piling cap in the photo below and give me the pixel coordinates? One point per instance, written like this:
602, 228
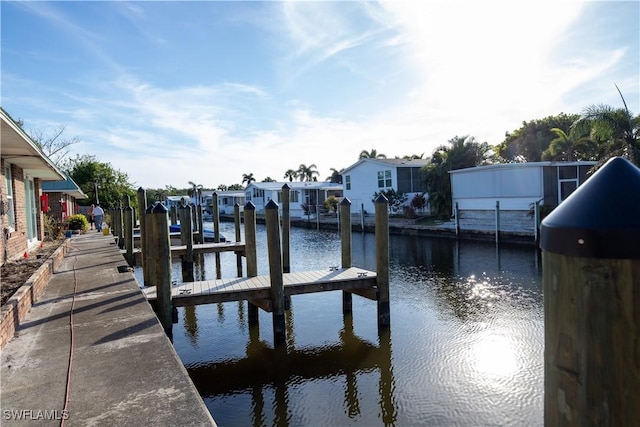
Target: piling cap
250, 206
159, 208
601, 219
345, 202
271, 205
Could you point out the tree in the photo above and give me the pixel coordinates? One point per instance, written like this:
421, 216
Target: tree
413, 157
527, 143
419, 202
248, 178
306, 173
268, 179
54, 145
100, 180
222, 187
235, 187
569, 146
463, 152
373, 154
335, 176
616, 130
396, 200
291, 174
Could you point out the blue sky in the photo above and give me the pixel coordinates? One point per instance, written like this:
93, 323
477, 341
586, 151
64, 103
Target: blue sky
172, 92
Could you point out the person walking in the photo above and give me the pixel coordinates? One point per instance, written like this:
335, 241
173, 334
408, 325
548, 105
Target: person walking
90, 215
98, 214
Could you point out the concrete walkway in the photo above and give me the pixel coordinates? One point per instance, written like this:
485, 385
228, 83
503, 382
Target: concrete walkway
124, 370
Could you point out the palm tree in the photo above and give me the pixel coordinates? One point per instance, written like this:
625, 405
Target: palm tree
373, 154
616, 128
248, 178
268, 179
306, 173
574, 145
291, 174
413, 157
335, 176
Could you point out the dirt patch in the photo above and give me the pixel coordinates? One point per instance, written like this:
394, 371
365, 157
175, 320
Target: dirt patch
15, 273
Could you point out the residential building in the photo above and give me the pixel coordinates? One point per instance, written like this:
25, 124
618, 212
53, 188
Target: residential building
24, 167
368, 176
60, 197
306, 197
515, 188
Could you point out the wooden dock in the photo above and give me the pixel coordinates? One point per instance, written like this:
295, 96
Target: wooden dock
356, 280
200, 248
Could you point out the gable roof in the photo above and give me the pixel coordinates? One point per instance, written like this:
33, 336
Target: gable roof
297, 185
68, 186
19, 149
409, 163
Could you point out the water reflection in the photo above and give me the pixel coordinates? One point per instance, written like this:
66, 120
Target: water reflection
265, 370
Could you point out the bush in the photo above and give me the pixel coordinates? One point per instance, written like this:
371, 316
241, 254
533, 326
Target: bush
52, 227
77, 222
331, 204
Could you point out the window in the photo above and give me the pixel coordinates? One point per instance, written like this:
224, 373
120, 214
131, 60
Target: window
567, 181
247, 196
384, 179
347, 181
11, 216
294, 196
258, 192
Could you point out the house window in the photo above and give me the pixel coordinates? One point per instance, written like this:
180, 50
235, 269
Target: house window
294, 196
384, 179
247, 196
347, 181
11, 215
567, 181
258, 192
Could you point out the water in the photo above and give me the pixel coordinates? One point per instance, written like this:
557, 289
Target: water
465, 347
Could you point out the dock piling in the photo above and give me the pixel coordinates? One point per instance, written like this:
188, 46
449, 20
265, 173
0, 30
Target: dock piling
382, 260
286, 228
345, 239
186, 238
251, 254
127, 213
236, 222
591, 289
216, 231
200, 223
161, 279
141, 196
275, 271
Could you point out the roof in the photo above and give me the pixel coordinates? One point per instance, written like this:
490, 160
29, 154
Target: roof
297, 185
67, 186
19, 149
506, 166
408, 163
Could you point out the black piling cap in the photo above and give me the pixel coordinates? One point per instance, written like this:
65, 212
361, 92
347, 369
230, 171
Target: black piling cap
159, 208
250, 206
601, 219
381, 199
286, 186
345, 202
271, 205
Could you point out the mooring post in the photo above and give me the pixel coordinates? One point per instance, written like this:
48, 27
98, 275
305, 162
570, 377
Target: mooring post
173, 214
236, 222
161, 279
286, 228
127, 213
117, 225
251, 254
141, 196
216, 231
317, 217
149, 258
382, 260
457, 214
497, 221
272, 221
591, 285
186, 238
200, 224
345, 240
362, 217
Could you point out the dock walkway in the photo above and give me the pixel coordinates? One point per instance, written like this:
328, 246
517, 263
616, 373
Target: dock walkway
123, 370
252, 288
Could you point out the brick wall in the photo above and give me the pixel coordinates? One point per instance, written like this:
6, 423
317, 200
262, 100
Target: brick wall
14, 244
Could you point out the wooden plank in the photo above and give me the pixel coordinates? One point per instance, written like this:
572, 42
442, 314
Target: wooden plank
355, 280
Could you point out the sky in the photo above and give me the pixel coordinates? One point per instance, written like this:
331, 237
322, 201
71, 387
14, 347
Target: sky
204, 92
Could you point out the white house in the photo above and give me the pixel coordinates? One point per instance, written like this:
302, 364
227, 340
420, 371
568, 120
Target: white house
301, 195
226, 200
516, 187
368, 176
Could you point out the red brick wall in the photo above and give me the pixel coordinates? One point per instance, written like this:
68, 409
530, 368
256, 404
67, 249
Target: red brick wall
14, 244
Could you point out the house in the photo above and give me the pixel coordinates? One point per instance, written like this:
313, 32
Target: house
24, 168
368, 176
226, 201
515, 188
304, 197
61, 198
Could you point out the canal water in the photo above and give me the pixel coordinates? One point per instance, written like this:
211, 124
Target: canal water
465, 347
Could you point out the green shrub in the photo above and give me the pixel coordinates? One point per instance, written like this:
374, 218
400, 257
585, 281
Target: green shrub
331, 204
52, 227
77, 222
